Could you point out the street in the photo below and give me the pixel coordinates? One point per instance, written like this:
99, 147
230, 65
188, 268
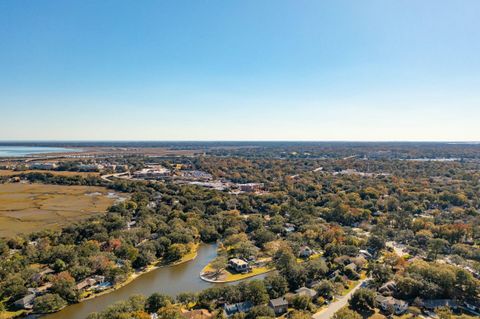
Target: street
328, 312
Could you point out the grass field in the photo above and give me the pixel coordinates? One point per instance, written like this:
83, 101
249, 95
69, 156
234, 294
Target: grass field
227, 276
59, 173
31, 207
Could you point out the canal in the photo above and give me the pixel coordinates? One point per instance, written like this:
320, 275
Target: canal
170, 280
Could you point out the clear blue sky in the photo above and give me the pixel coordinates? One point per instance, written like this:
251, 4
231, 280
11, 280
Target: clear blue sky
240, 70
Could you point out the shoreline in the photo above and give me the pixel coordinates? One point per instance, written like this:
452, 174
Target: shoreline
236, 277
233, 280
189, 257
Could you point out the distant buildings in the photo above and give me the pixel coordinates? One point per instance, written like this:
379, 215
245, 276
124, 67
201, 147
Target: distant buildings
152, 172
250, 187
195, 175
90, 167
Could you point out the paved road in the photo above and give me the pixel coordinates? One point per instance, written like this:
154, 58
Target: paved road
328, 312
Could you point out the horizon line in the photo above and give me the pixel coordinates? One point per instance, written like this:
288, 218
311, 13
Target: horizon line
234, 141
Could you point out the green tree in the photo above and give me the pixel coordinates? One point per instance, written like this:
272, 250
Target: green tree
48, 303
301, 302
218, 264
325, 288
157, 301
363, 299
436, 245
176, 252
276, 285
63, 284
346, 313
261, 311
254, 291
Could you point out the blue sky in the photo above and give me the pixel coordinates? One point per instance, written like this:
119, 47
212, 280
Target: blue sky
240, 70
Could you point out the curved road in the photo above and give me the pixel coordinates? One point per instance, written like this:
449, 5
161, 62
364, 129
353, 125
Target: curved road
328, 312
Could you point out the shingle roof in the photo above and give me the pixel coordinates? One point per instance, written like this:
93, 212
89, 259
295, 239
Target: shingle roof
279, 302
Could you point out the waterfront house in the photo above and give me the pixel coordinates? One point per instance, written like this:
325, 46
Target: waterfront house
25, 302
90, 282
239, 265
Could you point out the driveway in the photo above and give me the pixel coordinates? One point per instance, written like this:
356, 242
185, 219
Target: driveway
328, 312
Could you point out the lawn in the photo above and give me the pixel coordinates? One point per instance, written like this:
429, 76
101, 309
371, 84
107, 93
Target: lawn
25, 208
227, 276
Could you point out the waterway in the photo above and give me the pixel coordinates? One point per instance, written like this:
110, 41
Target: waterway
170, 280
21, 151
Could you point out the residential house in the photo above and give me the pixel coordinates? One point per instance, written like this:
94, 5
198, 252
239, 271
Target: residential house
230, 310
391, 304
239, 265
351, 266
25, 302
305, 252
304, 291
365, 254
334, 274
38, 277
40, 290
90, 282
388, 288
279, 305
289, 228
131, 224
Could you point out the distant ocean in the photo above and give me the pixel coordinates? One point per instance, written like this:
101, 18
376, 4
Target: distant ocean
19, 151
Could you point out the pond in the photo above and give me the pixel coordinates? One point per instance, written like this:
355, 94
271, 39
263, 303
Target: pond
170, 280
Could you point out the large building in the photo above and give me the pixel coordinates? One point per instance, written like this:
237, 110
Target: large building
152, 172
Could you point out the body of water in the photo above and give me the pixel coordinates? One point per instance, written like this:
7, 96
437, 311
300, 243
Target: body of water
20, 151
170, 280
